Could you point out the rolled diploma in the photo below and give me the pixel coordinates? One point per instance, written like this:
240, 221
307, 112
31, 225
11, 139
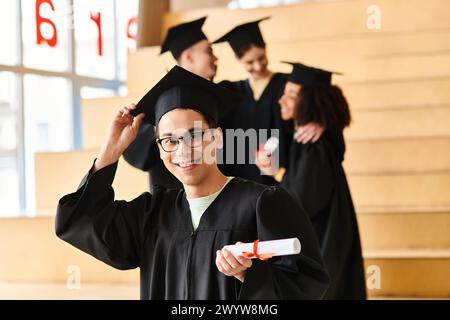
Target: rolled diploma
279, 247
271, 145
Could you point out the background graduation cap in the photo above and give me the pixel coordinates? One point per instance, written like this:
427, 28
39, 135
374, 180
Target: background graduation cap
309, 76
182, 36
180, 88
243, 35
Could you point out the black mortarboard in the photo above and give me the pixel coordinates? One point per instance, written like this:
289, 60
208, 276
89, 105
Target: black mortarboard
180, 88
309, 76
182, 36
243, 35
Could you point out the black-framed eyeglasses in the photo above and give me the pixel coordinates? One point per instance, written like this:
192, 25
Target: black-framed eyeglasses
192, 139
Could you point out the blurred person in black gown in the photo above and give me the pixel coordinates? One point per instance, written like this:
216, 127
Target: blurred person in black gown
191, 49
316, 178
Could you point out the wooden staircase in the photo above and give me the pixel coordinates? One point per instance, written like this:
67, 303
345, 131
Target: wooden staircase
397, 81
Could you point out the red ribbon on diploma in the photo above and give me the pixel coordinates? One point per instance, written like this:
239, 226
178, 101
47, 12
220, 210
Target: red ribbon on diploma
263, 257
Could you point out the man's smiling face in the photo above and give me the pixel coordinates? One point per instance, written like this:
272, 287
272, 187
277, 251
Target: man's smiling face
193, 144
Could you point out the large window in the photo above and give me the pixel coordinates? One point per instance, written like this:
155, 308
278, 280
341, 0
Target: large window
54, 53
9, 166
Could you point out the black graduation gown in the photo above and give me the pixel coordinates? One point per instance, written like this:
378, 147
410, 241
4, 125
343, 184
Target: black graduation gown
143, 153
256, 114
317, 180
155, 233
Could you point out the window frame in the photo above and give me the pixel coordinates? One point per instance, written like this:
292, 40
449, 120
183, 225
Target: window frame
77, 82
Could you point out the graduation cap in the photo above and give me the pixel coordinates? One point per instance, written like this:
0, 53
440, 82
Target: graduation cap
243, 35
180, 88
183, 36
309, 76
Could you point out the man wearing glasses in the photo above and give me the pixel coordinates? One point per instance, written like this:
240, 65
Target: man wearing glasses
177, 237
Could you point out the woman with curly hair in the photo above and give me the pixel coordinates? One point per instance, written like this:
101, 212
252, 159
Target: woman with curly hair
316, 178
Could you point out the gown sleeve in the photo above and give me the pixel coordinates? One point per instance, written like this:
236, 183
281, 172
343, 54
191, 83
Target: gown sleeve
93, 222
143, 151
309, 178
301, 276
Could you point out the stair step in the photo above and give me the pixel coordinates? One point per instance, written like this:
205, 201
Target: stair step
397, 190
411, 273
406, 298
387, 229
357, 68
49, 259
400, 67
408, 254
60, 291
403, 123
74, 165
397, 155
97, 115
401, 94
365, 46
145, 68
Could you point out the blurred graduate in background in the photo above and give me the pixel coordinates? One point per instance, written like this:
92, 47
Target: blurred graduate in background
191, 49
259, 109
316, 178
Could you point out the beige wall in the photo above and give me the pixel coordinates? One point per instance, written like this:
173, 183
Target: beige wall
150, 21
177, 5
